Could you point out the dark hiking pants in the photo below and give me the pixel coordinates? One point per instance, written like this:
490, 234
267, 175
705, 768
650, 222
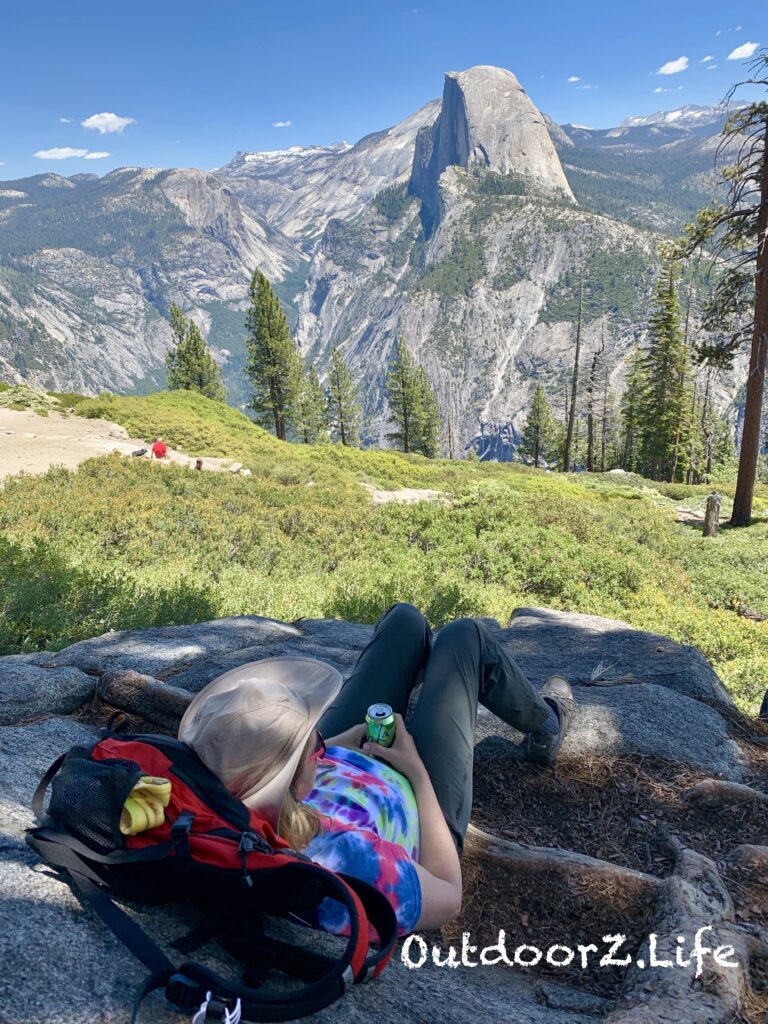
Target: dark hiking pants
462, 666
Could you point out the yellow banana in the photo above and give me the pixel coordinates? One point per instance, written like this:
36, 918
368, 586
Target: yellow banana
155, 809
156, 786
134, 817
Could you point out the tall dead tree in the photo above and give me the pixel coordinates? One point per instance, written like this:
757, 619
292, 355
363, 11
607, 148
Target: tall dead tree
604, 420
574, 384
591, 403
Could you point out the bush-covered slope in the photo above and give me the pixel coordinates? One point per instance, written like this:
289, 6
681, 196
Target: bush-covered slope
128, 543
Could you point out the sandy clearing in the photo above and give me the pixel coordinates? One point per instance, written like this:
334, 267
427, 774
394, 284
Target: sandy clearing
32, 444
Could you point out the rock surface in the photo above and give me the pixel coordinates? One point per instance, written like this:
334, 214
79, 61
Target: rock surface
486, 119
608, 648
641, 717
673, 712
88, 316
300, 189
26, 690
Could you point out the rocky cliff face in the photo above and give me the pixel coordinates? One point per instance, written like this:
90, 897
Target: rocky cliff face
299, 190
486, 120
90, 266
485, 302
475, 264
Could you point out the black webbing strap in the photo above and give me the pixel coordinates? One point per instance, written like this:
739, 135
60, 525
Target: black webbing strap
53, 840
381, 915
186, 986
39, 795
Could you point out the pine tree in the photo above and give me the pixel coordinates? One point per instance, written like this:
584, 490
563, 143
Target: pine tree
735, 233
591, 387
664, 407
312, 424
567, 454
725, 459
632, 403
611, 449
427, 431
190, 364
538, 432
273, 364
342, 402
404, 395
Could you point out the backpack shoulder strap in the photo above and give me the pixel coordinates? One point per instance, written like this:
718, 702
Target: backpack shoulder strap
191, 984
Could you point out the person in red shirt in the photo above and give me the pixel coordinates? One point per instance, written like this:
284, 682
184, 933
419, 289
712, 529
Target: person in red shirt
159, 450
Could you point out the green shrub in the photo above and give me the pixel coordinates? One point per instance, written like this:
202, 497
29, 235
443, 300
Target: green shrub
125, 543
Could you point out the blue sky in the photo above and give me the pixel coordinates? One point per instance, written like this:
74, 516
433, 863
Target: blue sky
190, 83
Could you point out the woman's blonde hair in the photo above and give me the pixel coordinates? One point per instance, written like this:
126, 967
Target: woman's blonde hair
298, 823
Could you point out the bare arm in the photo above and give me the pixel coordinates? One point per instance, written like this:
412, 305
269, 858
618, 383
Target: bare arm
351, 739
439, 868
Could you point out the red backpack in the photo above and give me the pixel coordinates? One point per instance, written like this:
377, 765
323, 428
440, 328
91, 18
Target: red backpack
228, 860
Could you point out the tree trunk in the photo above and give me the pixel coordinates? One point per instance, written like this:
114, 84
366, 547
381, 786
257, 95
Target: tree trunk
750, 438
591, 407
604, 422
706, 428
676, 452
574, 384
712, 515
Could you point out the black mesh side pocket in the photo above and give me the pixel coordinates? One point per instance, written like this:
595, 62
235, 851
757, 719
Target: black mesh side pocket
87, 797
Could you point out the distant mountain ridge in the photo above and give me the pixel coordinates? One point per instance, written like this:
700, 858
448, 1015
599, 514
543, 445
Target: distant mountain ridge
689, 116
300, 190
460, 229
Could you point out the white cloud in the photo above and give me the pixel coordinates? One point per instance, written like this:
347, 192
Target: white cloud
719, 32
106, 123
2, 163
672, 67
66, 120
743, 51
673, 89
711, 67
67, 152
59, 153
705, 59
282, 124
587, 86
574, 78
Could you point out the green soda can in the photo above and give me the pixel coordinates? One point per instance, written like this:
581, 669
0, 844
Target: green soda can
380, 724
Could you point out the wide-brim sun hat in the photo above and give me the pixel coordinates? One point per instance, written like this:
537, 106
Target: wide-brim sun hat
250, 725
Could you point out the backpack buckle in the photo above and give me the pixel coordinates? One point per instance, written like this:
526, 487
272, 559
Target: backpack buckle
250, 841
215, 1010
180, 830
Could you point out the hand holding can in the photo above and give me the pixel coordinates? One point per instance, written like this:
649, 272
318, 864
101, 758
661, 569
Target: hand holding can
380, 725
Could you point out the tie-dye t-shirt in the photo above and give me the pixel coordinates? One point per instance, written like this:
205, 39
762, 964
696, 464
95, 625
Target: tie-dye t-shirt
373, 834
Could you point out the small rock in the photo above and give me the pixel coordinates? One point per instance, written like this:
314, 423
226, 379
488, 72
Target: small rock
641, 719
26, 690
546, 642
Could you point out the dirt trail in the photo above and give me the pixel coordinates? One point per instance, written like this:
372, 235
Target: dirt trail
32, 444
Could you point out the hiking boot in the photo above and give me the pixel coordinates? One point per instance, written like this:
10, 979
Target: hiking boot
543, 747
